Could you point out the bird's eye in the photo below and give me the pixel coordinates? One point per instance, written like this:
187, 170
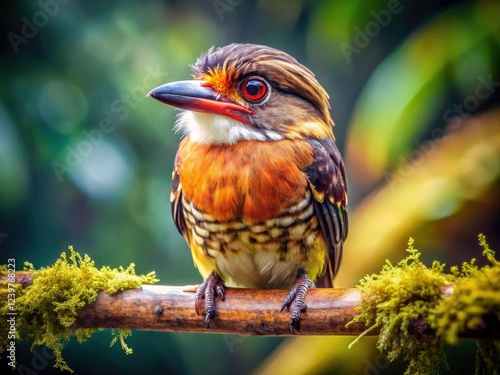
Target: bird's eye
253, 89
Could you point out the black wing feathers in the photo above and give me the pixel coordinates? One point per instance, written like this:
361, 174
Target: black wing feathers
176, 204
327, 180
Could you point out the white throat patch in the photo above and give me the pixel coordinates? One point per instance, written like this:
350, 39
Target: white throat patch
217, 129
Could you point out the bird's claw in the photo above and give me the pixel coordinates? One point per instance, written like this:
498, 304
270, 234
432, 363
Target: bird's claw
208, 291
297, 295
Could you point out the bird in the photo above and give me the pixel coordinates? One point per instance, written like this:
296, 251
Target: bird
259, 189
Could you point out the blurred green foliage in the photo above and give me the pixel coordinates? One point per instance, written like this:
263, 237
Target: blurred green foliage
85, 158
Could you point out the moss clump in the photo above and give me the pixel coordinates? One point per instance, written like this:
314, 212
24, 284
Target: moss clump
47, 310
476, 294
402, 296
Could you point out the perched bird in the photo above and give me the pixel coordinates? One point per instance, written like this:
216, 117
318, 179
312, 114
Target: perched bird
259, 189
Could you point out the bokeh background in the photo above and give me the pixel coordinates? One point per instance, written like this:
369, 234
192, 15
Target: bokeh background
85, 158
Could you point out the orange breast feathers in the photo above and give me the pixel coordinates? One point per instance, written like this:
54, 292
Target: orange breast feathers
250, 180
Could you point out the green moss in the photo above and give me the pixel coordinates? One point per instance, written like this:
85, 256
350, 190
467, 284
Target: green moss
476, 293
48, 308
488, 358
410, 292
27, 266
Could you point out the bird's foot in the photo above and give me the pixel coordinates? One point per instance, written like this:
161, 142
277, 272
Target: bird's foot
208, 291
298, 294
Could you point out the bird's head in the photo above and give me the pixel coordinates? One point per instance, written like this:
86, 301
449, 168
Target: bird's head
248, 92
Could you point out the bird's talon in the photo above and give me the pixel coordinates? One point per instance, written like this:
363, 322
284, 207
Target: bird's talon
197, 306
294, 326
210, 315
297, 295
219, 290
290, 296
283, 306
208, 291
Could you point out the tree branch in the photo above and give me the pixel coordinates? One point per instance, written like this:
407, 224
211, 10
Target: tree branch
243, 312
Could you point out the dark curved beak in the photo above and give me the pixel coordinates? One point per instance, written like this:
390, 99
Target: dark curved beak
193, 96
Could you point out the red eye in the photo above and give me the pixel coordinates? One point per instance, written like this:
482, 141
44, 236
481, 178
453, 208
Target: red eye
253, 89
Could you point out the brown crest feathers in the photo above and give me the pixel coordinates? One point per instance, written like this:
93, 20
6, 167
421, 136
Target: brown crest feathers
283, 71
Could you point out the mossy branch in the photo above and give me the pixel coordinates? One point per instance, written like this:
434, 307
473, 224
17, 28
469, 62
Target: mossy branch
243, 312
41, 306
414, 309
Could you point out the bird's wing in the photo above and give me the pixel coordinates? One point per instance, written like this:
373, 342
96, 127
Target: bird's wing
327, 182
176, 203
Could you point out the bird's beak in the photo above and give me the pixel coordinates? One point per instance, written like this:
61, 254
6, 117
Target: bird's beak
193, 96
